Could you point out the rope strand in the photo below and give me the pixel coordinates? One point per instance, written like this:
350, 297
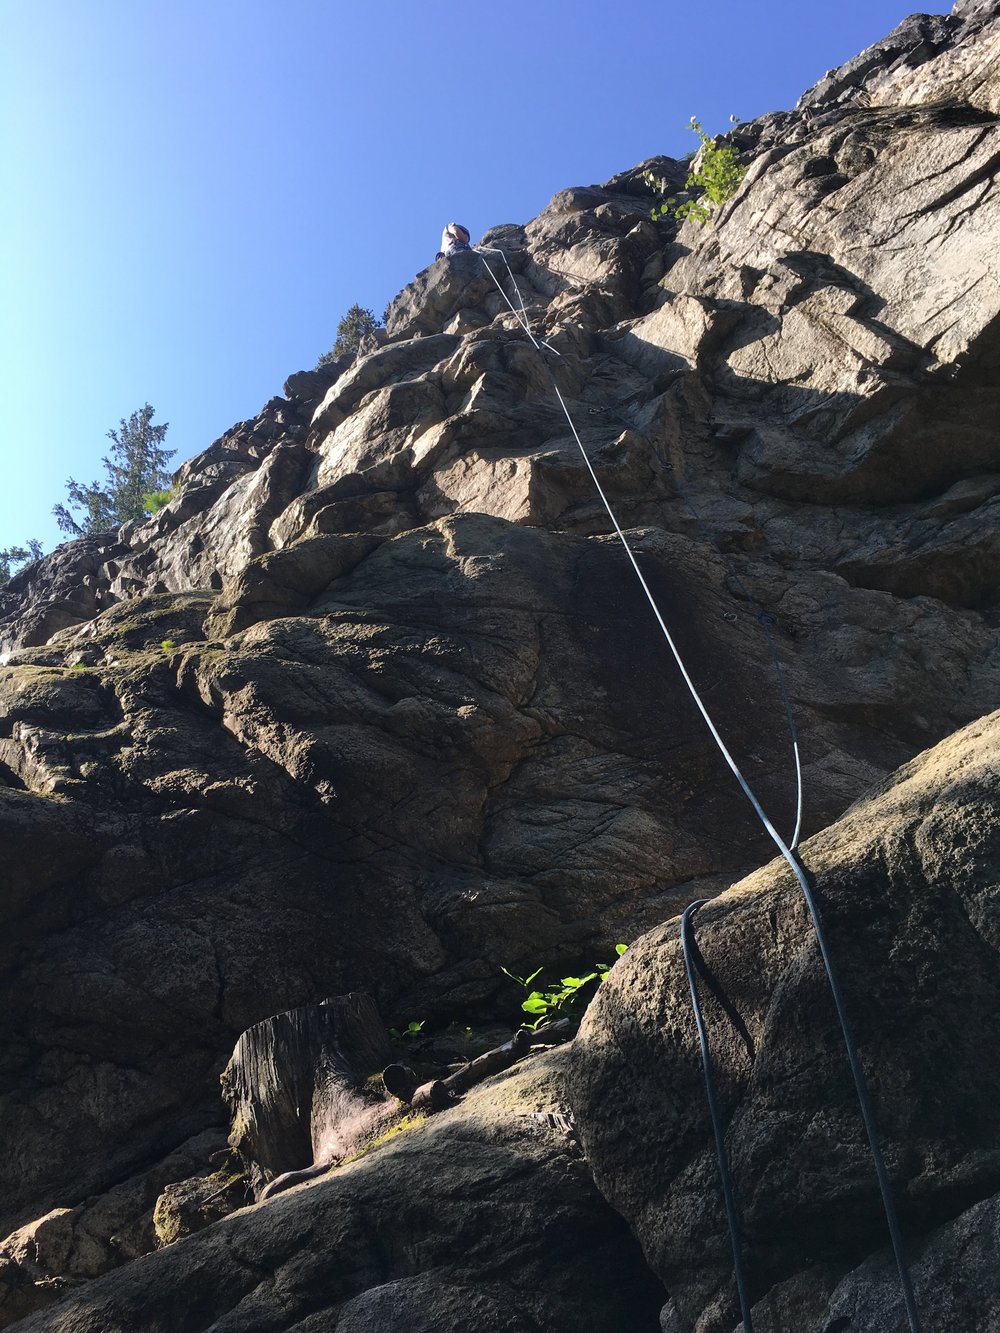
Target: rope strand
728, 1193
790, 856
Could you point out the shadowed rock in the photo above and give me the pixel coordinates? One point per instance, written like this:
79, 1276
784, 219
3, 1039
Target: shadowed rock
375, 703
486, 1213
907, 885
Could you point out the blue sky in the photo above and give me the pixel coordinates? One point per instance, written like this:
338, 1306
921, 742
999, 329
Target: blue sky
195, 191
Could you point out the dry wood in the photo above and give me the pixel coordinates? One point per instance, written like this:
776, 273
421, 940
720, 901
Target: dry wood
440, 1093
295, 1085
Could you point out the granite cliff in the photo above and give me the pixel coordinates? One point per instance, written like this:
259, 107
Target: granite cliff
375, 705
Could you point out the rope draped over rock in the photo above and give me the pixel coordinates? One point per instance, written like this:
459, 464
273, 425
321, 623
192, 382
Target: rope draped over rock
795, 864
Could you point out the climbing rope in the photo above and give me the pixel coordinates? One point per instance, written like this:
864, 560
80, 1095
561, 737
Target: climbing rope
521, 318
764, 620
688, 948
790, 856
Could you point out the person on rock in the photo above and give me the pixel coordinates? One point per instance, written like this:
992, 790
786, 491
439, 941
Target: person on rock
454, 238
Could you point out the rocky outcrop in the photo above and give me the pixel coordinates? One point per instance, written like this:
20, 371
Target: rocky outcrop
375, 703
484, 1218
927, 60
68, 1247
907, 882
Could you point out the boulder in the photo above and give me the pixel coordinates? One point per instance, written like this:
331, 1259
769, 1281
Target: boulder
485, 1214
906, 885
69, 1246
439, 292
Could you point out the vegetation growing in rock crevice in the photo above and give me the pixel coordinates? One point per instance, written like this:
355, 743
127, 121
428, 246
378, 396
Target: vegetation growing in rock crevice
13, 556
154, 501
134, 470
412, 1030
136, 484
567, 1000
716, 171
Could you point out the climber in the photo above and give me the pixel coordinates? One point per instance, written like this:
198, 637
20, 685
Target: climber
454, 238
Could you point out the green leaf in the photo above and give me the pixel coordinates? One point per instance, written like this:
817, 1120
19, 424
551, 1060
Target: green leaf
521, 981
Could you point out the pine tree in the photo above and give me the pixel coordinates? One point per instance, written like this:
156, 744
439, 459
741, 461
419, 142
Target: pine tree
136, 467
18, 555
352, 328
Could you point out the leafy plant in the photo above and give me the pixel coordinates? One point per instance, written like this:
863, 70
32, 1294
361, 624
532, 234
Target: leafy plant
521, 981
412, 1029
604, 968
715, 170
167, 645
567, 1000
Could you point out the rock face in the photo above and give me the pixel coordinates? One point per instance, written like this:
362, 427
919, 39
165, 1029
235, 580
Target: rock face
485, 1218
69, 1246
375, 704
908, 885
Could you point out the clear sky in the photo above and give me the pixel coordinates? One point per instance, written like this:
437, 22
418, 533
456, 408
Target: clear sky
195, 191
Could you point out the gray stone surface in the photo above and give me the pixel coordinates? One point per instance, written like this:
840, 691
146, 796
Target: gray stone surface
484, 1217
68, 1246
375, 703
907, 884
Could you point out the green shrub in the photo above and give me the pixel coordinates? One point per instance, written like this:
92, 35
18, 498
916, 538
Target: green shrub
567, 1000
413, 1029
716, 171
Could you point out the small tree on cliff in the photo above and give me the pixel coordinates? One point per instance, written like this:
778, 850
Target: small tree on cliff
352, 328
136, 467
715, 170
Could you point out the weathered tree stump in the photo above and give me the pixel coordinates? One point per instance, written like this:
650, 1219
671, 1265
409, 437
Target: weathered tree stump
298, 1088
295, 1086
